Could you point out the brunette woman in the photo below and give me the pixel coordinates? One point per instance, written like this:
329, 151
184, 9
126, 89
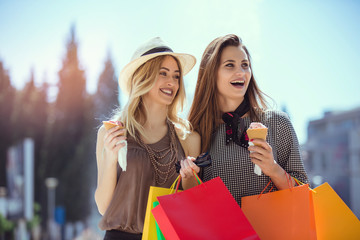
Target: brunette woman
227, 99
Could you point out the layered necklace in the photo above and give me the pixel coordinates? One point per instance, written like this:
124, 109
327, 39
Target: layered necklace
164, 170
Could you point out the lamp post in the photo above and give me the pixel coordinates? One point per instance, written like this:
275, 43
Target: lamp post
51, 184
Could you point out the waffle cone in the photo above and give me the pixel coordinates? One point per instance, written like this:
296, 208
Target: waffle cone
257, 133
108, 125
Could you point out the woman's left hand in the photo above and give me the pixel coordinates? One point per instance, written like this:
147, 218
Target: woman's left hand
262, 155
187, 167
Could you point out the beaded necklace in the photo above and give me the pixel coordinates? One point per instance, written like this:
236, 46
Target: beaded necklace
163, 171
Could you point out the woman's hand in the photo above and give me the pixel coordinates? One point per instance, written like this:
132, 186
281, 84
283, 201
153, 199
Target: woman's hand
262, 155
187, 167
188, 180
113, 142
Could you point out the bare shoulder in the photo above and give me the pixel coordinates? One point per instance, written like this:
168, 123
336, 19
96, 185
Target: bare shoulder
193, 138
193, 144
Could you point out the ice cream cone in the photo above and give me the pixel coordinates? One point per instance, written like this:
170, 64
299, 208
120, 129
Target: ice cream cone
256, 130
110, 124
257, 133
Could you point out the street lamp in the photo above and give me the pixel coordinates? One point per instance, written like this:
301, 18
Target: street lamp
51, 184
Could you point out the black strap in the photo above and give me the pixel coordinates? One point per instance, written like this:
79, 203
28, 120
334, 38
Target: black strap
157, 50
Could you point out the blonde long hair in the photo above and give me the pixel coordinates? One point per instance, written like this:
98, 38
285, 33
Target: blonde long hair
142, 82
205, 112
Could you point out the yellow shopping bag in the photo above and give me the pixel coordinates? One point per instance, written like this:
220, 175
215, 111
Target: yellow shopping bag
149, 230
333, 218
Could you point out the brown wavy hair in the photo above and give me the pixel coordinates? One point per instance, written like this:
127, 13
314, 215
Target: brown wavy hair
205, 114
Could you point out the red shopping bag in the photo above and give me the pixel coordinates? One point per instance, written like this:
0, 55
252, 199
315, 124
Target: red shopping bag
284, 214
207, 211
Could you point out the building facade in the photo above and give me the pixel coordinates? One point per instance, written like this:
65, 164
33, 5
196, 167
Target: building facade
332, 154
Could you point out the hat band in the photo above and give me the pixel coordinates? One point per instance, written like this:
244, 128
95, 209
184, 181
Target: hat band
157, 50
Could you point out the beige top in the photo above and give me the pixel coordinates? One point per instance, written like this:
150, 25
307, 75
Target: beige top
126, 211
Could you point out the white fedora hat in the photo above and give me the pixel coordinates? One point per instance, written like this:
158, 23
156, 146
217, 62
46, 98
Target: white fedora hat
151, 49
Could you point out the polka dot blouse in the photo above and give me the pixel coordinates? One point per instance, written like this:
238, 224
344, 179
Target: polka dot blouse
232, 162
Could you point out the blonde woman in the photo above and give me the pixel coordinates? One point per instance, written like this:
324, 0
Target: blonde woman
156, 138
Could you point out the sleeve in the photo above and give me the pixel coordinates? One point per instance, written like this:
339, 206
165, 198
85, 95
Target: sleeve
288, 149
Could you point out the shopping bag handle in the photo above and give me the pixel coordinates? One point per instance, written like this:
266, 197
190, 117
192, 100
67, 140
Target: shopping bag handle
175, 186
288, 179
199, 181
267, 185
197, 177
299, 183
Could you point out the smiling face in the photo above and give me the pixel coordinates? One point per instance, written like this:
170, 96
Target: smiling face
234, 73
166, 84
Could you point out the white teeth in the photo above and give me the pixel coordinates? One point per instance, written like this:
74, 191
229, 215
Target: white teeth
167, 91
238, 81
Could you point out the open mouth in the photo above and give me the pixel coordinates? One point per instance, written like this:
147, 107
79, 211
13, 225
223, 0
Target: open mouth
167, 91
238, 83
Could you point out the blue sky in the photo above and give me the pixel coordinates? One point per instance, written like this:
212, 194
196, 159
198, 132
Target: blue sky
306, 54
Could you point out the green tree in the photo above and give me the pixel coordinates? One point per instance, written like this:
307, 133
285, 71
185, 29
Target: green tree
30, 112
7, 96
106, 96
69, 138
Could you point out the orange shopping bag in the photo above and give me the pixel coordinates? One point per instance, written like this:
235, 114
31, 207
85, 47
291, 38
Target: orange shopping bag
334, 219
284, 214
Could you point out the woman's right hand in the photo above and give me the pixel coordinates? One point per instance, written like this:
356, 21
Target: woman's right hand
187, 168
113, 142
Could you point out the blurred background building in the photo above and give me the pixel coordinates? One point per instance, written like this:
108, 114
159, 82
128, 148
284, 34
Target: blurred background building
332, 154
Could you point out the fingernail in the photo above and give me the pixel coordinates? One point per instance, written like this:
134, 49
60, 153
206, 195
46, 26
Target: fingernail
251, 140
